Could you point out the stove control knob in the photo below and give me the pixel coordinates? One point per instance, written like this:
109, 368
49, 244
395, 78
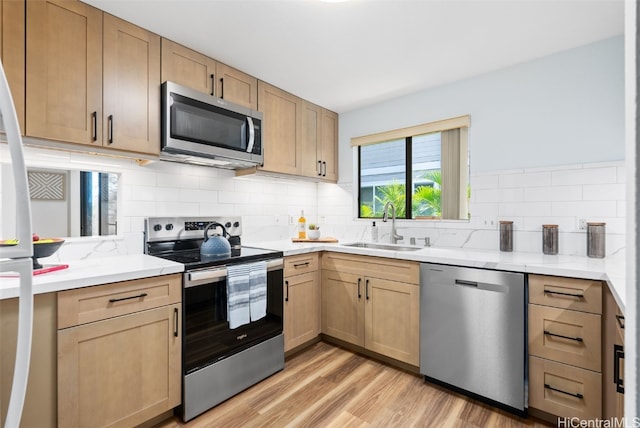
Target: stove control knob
227, 224
157, 227
169, 226
236, 224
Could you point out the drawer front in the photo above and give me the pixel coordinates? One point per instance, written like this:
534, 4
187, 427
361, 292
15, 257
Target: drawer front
569, 293
375, 267
563, 390
84, 305
304, 263
569, 337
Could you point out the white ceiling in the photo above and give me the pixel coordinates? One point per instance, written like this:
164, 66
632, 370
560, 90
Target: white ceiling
348, 55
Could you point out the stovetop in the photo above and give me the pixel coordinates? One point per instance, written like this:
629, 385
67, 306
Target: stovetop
179, 239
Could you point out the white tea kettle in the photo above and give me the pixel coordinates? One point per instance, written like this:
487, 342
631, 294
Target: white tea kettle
215, 246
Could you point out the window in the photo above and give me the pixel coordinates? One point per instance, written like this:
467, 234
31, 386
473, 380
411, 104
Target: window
422, 171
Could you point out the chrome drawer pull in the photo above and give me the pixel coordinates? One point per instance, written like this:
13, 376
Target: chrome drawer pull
577, 296
139, 296
577, 394
577, 339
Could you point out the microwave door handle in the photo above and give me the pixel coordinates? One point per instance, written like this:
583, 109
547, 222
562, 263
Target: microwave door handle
252, 135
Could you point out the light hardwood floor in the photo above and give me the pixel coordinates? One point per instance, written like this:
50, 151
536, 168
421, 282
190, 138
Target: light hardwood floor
327, 386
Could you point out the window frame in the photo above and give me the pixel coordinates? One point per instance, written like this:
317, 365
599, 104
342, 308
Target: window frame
461, 122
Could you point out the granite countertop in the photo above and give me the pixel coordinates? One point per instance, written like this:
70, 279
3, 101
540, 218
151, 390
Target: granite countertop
610, 269
95, 271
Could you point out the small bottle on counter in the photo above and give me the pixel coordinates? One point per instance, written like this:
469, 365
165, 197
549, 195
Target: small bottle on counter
596, 240
374, 232
506, 236
302, 226
550, 239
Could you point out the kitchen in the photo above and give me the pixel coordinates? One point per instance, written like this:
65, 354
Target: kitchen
500, 175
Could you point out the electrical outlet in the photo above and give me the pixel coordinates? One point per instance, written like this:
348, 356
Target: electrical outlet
582, 224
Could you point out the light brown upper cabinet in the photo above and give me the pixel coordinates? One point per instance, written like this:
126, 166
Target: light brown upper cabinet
197, 71
66, 51
282, 127
299, 138
318, 145
12, 50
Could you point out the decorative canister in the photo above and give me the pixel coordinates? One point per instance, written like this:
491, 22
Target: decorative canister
550, 238
506, 235
596, 240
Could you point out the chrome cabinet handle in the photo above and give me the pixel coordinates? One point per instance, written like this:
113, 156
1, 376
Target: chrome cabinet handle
286, 297
213, 84
175, 322
577, 394
577, 296
139, 296
577, 339
359, 295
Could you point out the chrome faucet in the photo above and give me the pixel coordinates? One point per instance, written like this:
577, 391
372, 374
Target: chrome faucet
394, 235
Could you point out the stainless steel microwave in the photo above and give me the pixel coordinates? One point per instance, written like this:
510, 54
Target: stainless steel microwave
202, 129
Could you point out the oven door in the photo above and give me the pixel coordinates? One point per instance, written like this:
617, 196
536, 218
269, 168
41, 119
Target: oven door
207, 337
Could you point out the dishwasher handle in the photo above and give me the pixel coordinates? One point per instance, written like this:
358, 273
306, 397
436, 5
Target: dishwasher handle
484, 286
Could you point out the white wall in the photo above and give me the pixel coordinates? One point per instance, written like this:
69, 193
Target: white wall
562, 109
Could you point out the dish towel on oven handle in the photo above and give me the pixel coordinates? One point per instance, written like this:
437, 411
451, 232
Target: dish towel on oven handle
258, 290
238, 278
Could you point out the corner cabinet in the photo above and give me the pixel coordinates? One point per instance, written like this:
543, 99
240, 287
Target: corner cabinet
372, 302
119, 352
301, 300
75, 55
189, 68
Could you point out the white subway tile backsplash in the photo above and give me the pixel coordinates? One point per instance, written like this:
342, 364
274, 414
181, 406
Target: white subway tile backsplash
525, 209
553, 193
585, 176
584, 209
532, 179
484, 181
604, 192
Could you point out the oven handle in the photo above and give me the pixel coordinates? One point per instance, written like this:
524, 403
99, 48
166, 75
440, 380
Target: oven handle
208, 276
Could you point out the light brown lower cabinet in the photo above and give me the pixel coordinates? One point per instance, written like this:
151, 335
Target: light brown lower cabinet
301, 300
377, 312
613, 359
123, 369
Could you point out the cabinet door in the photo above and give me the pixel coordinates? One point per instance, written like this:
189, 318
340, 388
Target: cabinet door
281, 129
187, 67
613, 328
343, 306
131, 87
64, 71
12, 50
311, 164
392, 314
301, 309
236, 86
328, 145
119, 372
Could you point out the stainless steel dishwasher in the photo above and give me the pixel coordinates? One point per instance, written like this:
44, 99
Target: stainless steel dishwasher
472, 332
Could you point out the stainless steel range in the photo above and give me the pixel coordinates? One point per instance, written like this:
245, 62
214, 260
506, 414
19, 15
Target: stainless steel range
227, 346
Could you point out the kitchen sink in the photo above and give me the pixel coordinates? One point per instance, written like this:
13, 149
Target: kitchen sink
390, 247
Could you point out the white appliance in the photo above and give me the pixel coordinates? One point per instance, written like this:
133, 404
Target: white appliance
17, 258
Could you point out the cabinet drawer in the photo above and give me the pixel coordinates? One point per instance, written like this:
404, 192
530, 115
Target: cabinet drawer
563, 390
576, 294
295, 265
84, 305
569, 337
375, 267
